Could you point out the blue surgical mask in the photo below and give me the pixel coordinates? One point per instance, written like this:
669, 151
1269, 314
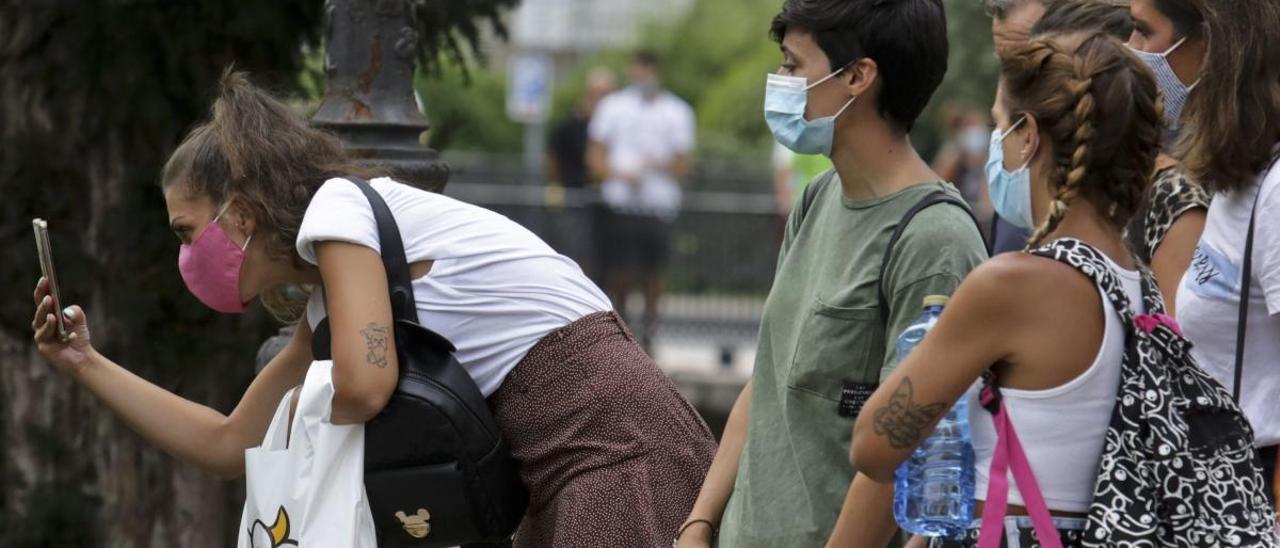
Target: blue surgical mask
1171, 87
785, 98
648, 88
1010, 191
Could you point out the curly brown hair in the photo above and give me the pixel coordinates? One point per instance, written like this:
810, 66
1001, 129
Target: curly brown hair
1098, 108
256, 149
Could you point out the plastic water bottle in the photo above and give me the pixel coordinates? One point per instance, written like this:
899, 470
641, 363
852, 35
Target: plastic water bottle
933, 488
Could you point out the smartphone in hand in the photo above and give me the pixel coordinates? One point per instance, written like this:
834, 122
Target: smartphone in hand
41, 228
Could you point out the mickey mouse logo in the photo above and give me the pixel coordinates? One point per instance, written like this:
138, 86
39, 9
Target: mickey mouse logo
417, 525
274, 536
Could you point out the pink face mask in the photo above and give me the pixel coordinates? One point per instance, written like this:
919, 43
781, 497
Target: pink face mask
210, 266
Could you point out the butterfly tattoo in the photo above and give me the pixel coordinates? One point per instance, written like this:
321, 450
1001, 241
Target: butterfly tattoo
904, 421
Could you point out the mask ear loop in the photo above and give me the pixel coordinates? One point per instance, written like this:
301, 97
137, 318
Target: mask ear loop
1171, 49
833, 75
829, 76
1006, 133
846, 106
247, 239
221, 210
1015, 125
1175, 46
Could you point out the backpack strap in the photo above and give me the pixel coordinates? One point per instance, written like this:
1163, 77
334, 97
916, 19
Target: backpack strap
1092, 263
932, 199
809, 196
1242, 321
403, 306
1009, 454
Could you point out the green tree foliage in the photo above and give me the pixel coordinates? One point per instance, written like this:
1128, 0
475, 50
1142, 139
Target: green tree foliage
972, 71
716, 57
93, 96
467, 109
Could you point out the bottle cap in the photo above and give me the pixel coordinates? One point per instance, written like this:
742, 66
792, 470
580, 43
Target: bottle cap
936, 300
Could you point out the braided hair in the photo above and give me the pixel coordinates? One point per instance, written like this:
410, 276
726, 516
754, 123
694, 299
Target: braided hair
1098, 110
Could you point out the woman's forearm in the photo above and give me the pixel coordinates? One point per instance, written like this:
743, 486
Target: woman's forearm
718, 485
192, 432
866, 519
187, 430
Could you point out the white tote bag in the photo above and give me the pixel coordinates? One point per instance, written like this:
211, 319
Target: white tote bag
307, 489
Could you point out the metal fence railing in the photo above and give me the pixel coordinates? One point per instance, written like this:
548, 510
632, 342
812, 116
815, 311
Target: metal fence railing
724, 246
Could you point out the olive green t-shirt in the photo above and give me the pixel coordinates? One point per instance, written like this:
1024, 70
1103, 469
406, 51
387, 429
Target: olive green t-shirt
821, 326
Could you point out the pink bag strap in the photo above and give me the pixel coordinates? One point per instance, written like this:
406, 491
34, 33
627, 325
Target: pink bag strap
1009, 453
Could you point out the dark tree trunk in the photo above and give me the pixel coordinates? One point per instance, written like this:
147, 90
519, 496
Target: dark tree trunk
93, 96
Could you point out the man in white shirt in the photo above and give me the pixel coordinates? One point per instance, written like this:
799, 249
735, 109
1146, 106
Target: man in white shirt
641, 138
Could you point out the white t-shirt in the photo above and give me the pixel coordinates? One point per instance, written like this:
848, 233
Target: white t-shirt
1209, 297
641, 134
494, 290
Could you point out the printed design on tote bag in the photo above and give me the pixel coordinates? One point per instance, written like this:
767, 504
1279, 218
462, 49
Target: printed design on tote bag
274, 536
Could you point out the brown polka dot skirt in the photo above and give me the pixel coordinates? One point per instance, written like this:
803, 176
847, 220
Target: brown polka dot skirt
613, 455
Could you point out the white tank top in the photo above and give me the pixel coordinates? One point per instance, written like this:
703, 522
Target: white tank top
1061, 428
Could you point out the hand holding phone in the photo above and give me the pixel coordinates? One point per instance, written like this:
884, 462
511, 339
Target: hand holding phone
45, 252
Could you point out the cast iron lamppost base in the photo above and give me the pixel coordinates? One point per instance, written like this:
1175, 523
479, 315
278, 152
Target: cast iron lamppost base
370, 48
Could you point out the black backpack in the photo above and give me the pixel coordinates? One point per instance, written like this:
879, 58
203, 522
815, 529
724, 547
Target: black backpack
437, 470
1178, 464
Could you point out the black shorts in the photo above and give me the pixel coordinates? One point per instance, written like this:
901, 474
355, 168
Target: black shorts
634, 243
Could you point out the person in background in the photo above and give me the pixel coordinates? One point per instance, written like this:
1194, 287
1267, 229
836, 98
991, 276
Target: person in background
1169, 37
855, 76
1011, 22
1109, 17
1081, 112
567, 150
961, 160
641, 139
791, 174
1230, 143
566, 166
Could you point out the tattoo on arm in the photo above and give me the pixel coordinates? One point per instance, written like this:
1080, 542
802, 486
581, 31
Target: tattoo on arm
903, 421
375, 340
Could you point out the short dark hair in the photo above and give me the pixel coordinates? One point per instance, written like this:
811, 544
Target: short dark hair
1068, 16
645, 57
1187, 20
906, 38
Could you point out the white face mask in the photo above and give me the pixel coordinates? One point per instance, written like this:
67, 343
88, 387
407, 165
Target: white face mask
1175, 92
